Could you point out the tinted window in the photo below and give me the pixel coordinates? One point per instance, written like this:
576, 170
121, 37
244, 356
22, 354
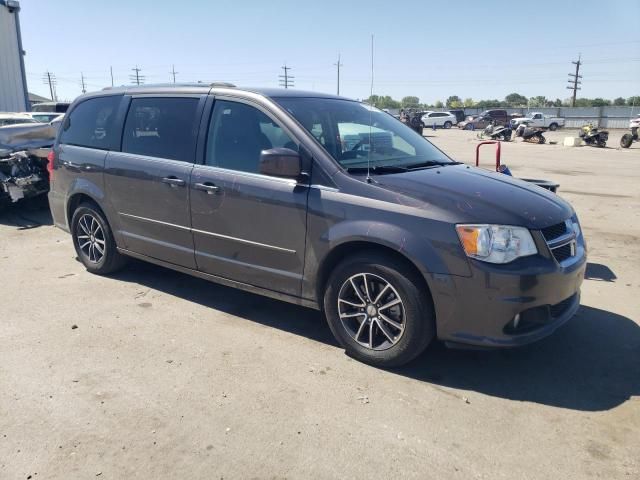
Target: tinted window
161, 127
92, 123
239, 132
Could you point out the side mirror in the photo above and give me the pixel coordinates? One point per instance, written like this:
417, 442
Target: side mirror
281, 162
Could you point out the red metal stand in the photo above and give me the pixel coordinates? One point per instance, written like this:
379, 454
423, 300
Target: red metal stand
497, 144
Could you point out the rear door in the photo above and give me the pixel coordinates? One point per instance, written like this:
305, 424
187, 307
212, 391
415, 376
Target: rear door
147, 182
247, 227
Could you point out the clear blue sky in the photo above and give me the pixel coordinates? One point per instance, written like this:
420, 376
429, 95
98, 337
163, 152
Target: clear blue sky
479, 49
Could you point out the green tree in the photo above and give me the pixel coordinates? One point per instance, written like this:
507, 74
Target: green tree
600, 102
557, 102
410, 101
468, 102
438, 104
453, 99
619, 102
634, 101
539, 101
382, 101
516, 100
488, 103
583, 102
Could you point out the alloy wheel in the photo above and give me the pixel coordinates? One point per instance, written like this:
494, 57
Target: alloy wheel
91, 239
371, 311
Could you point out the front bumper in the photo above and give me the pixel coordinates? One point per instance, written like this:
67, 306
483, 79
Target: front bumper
481, 310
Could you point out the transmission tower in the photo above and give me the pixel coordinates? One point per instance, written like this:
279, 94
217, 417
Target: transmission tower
575, 80
338, 65
50, 78
136, 77
286, 80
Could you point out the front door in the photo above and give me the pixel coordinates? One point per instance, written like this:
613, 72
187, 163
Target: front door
148, 181
247, 227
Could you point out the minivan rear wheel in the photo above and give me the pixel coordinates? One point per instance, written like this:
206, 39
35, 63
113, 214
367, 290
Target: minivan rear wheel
93, 240
378, 310
447, 124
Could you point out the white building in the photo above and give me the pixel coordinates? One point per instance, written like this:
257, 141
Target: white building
13, 80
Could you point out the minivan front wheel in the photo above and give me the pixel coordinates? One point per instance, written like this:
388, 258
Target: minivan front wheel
377, 310
93, 240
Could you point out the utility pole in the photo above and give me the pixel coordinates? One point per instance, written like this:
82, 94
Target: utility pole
286, 80
136, 77
84, 88
173, 73
575, 80
338, 65
50, 78
111, 70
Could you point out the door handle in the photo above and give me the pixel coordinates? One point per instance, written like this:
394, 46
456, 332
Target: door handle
174, 181
69, 164
208, 187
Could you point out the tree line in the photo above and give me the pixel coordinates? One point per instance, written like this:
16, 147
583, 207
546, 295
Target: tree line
513, 100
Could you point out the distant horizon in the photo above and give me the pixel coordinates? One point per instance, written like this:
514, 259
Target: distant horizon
249, 48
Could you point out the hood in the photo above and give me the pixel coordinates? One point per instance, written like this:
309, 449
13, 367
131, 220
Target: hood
474, 195
28, 135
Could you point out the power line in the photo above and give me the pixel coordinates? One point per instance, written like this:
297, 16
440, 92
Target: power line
338, 65
286, 80
173, 73
576, 80
136, 77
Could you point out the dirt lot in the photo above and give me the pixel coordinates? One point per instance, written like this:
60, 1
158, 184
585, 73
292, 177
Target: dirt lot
168, 376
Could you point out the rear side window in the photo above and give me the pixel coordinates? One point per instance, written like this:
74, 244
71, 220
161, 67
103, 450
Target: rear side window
162, 127
92, 123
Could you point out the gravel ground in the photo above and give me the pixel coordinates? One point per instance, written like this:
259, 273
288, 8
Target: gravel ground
154, 374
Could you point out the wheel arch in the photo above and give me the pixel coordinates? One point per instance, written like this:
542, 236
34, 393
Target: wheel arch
339, 252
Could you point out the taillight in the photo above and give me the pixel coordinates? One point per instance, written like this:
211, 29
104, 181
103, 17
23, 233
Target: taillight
50, 158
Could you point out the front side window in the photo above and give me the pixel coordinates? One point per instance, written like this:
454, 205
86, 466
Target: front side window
162, 127
237, 135
92, 123
357, 135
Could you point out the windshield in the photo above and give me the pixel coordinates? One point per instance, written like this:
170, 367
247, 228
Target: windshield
355, 134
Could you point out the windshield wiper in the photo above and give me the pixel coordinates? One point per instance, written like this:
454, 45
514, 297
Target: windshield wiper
379, 169
429, 163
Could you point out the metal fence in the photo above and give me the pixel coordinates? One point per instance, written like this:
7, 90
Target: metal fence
575, 117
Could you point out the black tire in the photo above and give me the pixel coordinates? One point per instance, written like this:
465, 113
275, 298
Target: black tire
602, 143
626, 140
553, 127
541, 139
468, 126
110, 260
416, 308
447, 124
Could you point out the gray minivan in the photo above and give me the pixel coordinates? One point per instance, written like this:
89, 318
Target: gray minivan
321, 201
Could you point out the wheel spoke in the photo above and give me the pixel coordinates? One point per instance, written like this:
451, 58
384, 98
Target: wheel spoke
353, 315
397, 325
351, 303
366, 286
390, 304
383, 328
83, 225
371, 334
99, 241
85, 244
360, 329
379, 296
357, 290
99, 249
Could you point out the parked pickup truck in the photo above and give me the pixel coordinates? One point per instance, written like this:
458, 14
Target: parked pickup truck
537, 119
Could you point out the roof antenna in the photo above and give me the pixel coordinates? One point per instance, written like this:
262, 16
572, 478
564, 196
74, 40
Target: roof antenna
370, 118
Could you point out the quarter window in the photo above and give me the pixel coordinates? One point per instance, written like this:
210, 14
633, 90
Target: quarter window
92, 123
238, 133
162, 127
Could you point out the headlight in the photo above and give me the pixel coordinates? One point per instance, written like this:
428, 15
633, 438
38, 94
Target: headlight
496, 243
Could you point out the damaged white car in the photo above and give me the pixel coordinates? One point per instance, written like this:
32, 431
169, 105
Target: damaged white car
23, 160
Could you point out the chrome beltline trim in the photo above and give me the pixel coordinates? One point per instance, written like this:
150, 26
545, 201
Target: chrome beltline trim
217, 235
